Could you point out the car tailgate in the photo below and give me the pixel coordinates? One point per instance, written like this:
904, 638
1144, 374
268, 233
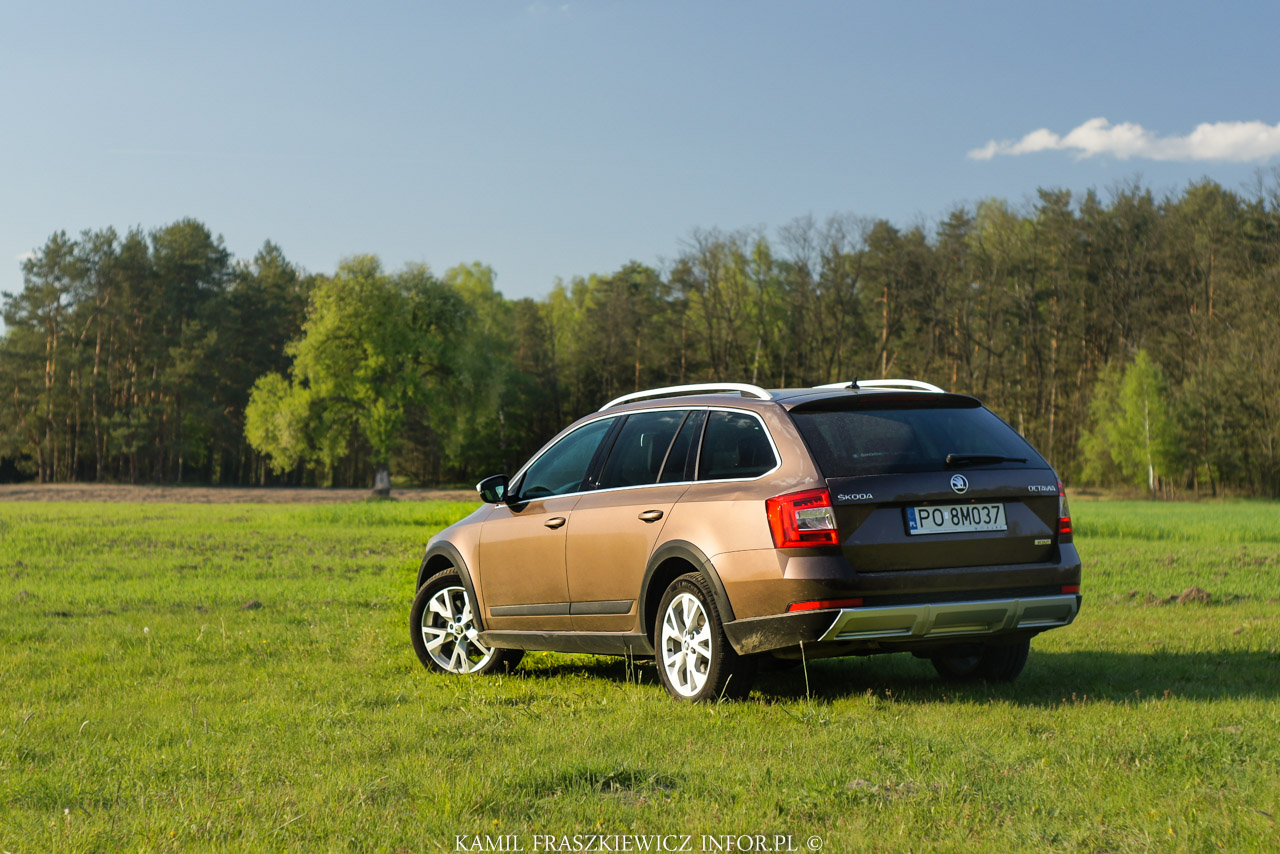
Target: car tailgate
873, 517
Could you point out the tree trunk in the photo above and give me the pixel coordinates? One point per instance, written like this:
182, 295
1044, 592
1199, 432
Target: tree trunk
93, 405
638, 339
1146, 430
884, 336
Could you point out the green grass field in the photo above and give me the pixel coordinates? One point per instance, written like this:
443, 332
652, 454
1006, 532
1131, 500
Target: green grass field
227, 677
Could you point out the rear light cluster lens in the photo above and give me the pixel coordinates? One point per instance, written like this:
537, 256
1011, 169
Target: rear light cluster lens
1071, 588
1064, 515
821, 604
802, 520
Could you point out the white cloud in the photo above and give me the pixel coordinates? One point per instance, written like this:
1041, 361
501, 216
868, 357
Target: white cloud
1237, 141
26, 256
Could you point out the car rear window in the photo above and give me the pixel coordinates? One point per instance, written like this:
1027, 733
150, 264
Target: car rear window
900, 439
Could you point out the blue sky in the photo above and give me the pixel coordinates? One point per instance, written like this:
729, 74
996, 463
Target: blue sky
558, 139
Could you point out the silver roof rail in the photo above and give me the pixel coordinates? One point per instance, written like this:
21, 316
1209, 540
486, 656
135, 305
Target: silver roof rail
914, 384
711, 388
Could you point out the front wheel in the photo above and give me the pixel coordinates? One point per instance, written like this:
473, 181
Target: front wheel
695, 661
1001, 663
443, 629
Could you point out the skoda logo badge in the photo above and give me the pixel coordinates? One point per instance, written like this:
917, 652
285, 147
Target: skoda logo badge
959, 483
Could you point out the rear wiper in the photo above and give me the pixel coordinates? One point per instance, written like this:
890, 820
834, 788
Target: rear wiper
981, 459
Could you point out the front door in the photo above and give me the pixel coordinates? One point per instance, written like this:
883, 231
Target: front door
522, 565
522, 543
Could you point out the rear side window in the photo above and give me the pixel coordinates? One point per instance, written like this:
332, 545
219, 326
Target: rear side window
641, 447
678, 458
734, 445
909, 439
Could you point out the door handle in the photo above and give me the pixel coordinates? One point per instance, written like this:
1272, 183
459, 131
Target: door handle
554, 522
651, 515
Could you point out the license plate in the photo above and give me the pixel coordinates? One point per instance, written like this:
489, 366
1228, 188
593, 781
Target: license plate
955, 518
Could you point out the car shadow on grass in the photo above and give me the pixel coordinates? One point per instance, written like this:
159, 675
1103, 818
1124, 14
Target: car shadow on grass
551, 665
1050, 678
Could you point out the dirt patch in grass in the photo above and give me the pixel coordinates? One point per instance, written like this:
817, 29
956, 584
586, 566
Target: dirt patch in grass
213, 494
1195, 594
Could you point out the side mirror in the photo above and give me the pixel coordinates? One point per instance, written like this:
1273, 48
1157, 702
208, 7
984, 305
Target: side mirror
493, 490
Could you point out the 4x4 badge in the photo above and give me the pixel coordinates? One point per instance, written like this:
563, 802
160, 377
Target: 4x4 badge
959, 483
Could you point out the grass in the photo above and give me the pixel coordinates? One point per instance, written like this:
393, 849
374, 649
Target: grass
216, 677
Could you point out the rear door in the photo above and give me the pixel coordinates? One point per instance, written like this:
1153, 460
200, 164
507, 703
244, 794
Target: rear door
925, 483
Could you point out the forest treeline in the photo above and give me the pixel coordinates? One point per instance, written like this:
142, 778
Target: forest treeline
1133, 339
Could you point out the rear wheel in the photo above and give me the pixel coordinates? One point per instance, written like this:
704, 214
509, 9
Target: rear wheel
443, 628
695, 661
990, 663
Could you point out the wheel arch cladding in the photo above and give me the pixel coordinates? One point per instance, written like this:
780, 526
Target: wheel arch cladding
441, 556
669, 562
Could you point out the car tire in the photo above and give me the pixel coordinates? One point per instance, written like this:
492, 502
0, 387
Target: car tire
695, 661
443, 628
1002, 663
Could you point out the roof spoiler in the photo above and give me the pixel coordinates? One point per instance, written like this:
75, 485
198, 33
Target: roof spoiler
917, 385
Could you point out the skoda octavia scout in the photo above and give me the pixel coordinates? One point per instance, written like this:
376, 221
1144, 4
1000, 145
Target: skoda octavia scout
717, 527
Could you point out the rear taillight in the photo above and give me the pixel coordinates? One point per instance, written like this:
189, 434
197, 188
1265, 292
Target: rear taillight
802, 520
1071, 588
823, 604
1064, 515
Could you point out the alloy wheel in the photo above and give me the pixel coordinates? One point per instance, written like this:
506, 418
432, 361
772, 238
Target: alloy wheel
686, 644
450, 635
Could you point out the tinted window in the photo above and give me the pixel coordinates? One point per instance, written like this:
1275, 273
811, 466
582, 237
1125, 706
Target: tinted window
735, 445
561, 469
889, 441
678, 456
641, 447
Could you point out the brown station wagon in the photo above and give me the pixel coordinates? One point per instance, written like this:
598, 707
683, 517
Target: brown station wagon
718, 527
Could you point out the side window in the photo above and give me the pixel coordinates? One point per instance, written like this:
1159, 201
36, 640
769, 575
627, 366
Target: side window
561, 469
735, 446
641, 447
678, 457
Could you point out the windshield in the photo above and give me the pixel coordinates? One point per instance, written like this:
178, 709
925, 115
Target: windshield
901, 439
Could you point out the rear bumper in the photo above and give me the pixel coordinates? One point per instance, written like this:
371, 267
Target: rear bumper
953, 619
903, 627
